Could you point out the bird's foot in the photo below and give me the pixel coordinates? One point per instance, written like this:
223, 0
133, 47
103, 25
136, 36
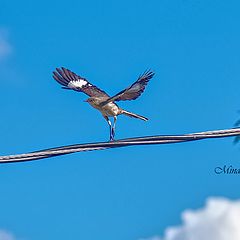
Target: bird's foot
111, 138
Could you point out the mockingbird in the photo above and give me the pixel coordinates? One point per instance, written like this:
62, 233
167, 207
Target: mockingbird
100, 99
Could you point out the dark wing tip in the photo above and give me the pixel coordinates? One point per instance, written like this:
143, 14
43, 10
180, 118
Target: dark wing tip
59, 70
61, 76
146, 75
149, 73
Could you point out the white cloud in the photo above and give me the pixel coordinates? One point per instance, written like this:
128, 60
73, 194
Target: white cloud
218, 220
5, 235
5, 46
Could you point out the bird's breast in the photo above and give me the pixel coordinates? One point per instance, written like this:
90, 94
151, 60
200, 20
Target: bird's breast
110, 109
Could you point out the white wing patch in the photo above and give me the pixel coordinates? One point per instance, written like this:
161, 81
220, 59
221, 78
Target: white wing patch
78, 84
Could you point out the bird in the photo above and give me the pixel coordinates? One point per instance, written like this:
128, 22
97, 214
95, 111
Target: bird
99, 99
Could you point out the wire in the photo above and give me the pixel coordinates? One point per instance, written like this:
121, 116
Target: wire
160, 139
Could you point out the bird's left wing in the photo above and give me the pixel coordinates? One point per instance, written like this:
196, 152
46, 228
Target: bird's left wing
134, 91
71, 80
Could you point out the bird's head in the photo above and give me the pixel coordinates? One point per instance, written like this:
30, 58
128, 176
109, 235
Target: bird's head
92, 101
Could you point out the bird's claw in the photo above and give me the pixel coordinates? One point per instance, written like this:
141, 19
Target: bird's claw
112, 134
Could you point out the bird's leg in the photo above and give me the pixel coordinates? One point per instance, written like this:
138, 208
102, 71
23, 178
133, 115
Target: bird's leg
114, 126
110, 126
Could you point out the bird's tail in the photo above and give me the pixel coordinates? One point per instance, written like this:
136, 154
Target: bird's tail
130, 114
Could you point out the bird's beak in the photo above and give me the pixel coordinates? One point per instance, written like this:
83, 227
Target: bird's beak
85, 100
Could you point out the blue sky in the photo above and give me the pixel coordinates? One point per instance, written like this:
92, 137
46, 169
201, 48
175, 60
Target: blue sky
127, 193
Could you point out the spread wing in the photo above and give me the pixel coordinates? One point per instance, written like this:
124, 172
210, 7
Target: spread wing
134, 91
72, 81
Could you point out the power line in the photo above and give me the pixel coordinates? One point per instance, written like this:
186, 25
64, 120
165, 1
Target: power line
160, 139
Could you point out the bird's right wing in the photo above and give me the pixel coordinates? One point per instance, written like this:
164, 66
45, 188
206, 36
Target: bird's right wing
70, 80
134, 91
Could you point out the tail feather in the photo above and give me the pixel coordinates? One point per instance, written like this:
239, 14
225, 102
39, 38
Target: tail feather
130, 114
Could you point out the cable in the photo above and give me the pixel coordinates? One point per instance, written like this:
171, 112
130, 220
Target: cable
147, 140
